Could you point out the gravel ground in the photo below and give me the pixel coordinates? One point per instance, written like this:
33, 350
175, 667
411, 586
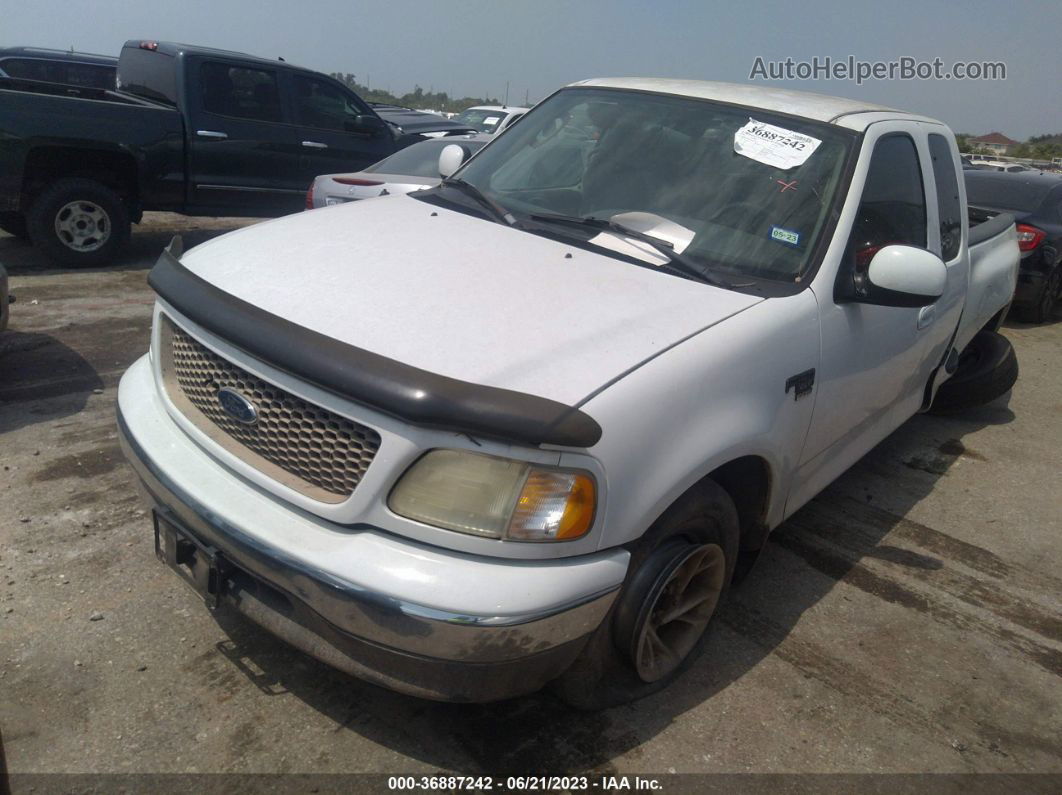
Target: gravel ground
907, 620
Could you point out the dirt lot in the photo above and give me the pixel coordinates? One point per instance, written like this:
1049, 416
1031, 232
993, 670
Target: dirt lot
909, 619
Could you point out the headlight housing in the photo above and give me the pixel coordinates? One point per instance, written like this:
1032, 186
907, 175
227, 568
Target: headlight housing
495, 497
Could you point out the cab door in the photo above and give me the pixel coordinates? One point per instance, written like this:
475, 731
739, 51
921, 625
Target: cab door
877, 360
337, 132
243, 152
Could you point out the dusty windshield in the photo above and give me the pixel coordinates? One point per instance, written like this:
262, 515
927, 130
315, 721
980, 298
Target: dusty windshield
486, 121
674, 162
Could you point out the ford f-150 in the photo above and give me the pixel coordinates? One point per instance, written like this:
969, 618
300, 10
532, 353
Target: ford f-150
523, 427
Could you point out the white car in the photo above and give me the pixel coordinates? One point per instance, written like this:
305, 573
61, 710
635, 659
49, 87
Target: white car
520, 428
490, 118
414, 168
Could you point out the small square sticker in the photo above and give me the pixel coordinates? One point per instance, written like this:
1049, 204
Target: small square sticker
787, 236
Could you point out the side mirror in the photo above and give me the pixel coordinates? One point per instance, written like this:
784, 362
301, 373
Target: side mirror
366, 125
898, 275
451, 158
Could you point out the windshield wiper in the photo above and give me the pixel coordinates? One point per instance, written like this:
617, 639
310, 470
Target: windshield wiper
499, 212
676, 260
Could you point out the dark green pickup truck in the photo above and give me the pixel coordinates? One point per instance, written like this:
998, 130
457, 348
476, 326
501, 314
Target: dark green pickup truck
189, 130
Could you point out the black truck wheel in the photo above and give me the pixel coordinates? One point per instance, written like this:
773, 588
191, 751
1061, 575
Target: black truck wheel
78, 222
14, 224
987, 368
679, 574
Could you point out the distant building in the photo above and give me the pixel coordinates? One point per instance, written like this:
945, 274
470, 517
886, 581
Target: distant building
995, 142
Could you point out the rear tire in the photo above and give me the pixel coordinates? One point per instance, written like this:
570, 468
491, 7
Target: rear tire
987, 368
1044, 308
14, 224
78, 222
679, 575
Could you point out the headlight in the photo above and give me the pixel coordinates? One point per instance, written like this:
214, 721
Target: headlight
496, 497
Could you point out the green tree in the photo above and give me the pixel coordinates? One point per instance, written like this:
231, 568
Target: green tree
417, 98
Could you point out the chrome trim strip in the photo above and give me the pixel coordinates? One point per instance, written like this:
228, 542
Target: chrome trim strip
380, 619
249, 189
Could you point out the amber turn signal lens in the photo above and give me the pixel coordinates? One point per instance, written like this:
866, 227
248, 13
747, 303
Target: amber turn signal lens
554, 505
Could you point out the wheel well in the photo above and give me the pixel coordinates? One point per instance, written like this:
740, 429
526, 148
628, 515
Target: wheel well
748, 482
47, 164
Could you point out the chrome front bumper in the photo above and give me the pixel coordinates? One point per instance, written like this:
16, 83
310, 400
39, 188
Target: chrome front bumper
407, 647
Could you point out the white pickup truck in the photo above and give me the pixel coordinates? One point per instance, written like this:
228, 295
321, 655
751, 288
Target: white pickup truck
524, 426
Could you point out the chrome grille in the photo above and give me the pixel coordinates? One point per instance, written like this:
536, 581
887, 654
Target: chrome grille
309, 448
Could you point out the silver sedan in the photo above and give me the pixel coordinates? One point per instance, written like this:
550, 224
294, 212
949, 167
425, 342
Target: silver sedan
414, 168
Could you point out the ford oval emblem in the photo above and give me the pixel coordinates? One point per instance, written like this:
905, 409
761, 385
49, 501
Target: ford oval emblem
237, 406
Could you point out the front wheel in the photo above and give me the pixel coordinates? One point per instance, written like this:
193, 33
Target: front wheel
679, 575
78, 222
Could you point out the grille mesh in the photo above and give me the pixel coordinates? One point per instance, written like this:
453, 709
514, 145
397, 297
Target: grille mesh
325, 451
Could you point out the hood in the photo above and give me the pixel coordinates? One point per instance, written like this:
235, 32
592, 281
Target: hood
416, 122
461, 296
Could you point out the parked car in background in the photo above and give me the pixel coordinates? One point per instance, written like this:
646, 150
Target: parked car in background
188, 129
522, 426
418, 122
998, 165
1035, 201
414, 168
74, 69
490, 118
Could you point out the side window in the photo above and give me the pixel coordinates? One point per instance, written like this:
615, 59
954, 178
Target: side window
321, 104
83, 74
238, 91
31, 69
893, 207
948, 206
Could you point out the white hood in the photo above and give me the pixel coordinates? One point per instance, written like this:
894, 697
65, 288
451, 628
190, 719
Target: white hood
461, 296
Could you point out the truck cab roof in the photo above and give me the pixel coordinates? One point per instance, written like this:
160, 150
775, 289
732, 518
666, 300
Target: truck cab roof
852, 114
173, 49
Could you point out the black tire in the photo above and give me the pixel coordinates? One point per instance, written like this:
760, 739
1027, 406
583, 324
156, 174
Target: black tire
987, 368
607, 672
1044, 308
14, 224
106, 222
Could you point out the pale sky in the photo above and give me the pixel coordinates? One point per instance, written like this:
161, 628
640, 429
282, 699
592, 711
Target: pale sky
472, 47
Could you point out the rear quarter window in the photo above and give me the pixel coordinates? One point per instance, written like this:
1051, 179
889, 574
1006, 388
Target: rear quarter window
948, 205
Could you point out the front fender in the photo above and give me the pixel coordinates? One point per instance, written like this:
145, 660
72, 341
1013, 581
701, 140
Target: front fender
718, 396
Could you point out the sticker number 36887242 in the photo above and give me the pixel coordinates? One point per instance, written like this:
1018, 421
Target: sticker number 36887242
774, 146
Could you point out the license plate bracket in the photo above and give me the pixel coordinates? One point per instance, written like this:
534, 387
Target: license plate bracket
200, 565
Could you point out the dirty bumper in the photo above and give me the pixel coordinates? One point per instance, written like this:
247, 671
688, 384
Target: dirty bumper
405, 647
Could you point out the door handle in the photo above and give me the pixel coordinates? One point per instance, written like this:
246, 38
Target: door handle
314, 145
211, 134
926, 315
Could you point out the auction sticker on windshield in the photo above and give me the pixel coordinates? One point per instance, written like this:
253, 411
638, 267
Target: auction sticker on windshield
775, 146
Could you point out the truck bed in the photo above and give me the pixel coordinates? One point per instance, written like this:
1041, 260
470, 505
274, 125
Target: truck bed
38, 120
993, 243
